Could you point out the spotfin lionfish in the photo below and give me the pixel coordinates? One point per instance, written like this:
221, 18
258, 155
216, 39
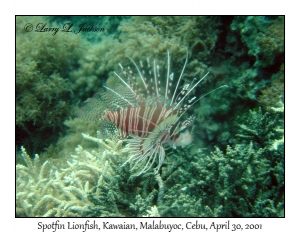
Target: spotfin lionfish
146, 116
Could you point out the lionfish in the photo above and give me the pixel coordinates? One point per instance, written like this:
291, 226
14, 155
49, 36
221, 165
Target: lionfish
146, 116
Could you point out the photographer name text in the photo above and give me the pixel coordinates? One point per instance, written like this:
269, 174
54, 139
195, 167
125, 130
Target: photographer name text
67, 27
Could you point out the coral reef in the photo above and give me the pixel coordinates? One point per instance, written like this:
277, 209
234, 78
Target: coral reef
235, 166
43, 63
86, 184
272, 98
150, 37
263, 35
69, 190
247, 181
46, 191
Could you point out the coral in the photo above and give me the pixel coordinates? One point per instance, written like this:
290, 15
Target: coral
271, 42
235, 167
264, 36
159, 34
73, 137
247, 181
249, 66
242, 193
153, 212
197, 33
261, 128
108, 23
92, 69
272, 98
85, 184
43, 63
150, 37
45, 191
241, 182
53, 189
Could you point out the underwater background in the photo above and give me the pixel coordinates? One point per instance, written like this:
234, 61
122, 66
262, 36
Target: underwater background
235, 165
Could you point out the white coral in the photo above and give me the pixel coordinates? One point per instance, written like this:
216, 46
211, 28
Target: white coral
153, 212
48, 190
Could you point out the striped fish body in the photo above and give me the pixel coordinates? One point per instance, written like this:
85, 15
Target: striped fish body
138, 121
146, 129
147, 120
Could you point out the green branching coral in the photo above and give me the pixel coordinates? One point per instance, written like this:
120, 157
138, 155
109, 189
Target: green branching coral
246, 181
264, 129
240, 174
232, 184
